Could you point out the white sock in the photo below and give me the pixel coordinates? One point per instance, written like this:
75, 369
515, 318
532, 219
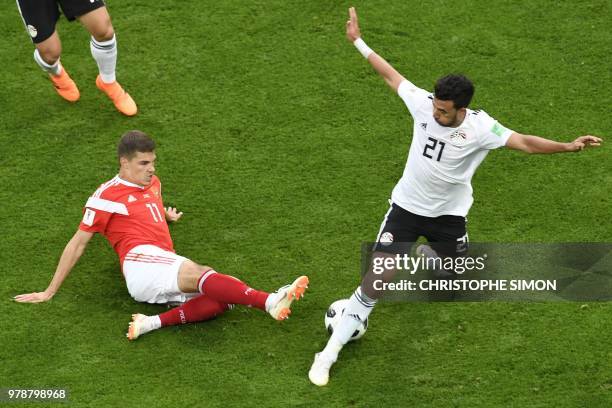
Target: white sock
357, 311
105, 54
271, 300
274, 297
150, 323
54, 69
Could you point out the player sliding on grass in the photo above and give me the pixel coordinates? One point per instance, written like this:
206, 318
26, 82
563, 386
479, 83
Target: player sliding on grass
128, 210
434, 194
40, 17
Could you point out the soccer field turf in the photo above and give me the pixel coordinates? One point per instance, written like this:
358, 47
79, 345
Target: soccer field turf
281, 145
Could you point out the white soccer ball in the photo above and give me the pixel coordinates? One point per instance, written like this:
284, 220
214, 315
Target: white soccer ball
333, 315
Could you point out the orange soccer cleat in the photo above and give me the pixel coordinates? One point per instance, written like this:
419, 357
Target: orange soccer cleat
65, 86
136, 326
122, 100
280, 305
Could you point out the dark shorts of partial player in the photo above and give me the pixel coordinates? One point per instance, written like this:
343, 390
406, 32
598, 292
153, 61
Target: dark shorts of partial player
446, 234
40, 16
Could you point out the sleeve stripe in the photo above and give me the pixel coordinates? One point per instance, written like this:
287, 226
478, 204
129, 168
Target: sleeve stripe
110, 183
106, 205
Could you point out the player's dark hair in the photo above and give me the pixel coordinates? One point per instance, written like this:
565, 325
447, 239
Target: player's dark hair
456, 88
134, 141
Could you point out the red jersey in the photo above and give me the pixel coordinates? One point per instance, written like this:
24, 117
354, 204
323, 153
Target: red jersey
128, 215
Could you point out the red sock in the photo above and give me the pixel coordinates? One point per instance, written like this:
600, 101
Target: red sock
197, 309
227, 289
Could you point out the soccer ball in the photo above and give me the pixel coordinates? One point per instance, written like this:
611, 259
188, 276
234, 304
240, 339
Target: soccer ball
333, 315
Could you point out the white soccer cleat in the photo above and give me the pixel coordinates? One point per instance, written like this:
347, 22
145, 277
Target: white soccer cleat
136, 326
319, 371
279, 302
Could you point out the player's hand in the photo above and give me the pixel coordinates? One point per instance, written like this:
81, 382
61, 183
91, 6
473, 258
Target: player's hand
36, 297
172, 214
352, 26
583, 142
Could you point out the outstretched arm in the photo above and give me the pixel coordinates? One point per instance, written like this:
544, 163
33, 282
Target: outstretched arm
384, 69
536, 144
73, 251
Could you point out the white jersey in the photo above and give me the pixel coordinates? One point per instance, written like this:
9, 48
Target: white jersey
442, 160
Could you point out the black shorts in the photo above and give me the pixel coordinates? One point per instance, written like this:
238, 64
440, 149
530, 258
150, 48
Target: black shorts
40, 16
446, 234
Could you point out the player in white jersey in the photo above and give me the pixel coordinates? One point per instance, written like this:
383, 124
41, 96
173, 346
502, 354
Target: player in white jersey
434, 194
443, 159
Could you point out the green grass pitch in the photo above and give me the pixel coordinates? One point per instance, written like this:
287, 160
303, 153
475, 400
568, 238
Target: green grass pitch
281, 145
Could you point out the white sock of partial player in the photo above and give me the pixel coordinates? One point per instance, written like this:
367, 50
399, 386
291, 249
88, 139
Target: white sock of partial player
150, 323
357, 311
54, 69
271, 300
105, 54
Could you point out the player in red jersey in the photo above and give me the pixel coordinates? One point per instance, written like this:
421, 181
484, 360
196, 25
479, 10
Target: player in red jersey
128, 210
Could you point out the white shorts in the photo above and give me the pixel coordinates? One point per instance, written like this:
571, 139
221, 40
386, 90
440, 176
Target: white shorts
151, 275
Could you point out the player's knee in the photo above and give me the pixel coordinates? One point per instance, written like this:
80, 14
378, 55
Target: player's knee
50, 53
104, 31
195, 270
190, 275
202, 269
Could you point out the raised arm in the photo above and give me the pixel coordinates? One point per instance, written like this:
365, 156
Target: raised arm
536, 144
73, 251
384, 69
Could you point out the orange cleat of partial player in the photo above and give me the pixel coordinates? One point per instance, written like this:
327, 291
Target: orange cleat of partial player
122, 100
280, 307
135, 328
65, 86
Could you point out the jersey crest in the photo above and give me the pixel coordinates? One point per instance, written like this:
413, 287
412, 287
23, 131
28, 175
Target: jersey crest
458, 136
